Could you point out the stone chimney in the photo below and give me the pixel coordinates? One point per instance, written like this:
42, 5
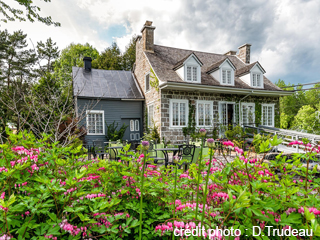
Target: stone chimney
87, 63
148, 37
244, 53
231, 52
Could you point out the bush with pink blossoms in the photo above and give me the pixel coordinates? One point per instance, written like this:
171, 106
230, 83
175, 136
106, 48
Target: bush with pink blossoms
52, 192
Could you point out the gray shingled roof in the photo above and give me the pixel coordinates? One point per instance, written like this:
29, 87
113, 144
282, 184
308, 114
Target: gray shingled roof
164, 59
105, 84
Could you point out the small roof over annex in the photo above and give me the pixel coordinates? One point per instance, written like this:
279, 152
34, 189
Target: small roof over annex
105, 84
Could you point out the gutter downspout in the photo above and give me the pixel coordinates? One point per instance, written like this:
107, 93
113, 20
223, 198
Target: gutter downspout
240, 105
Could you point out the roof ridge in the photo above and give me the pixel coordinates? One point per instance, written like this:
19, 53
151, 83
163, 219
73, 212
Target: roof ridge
195, 51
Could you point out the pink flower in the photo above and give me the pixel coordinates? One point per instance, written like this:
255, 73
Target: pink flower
2, 195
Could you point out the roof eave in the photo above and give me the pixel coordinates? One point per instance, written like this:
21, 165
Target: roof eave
223, 89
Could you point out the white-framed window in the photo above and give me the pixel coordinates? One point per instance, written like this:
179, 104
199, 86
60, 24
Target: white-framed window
204, 113
267, 116
147, 82
192, 73
150, 114
226, 76
248, 114
178, 113
256, 80
95, 122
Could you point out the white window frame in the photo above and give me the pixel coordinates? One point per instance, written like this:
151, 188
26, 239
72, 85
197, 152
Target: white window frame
261, 79
211, 113
241, 111
262, 115
231, 75
186, 73
103, 121
149, 119
145, 83
171, 113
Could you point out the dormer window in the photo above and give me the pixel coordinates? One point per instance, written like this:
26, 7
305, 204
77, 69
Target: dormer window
226, 76
256, 80
189, 69
252, 75
223, 71
192, 73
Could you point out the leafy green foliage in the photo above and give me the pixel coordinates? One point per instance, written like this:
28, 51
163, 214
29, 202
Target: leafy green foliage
31, 12
56, 191
113, 134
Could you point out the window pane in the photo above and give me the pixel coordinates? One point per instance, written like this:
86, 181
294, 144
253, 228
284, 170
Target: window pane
207, 115
189, 74
95, 123
175, 112
244, 115
250, 115
194, 74
182, 114
200, 114
270, 116
264, 115
137, 125
147, 82
131, 125
224, 113
224, 80
229, 77
254, 80
258, 81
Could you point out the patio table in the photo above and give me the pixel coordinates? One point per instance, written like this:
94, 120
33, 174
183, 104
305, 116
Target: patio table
165, 153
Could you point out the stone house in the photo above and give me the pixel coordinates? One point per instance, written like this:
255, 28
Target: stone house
210, 89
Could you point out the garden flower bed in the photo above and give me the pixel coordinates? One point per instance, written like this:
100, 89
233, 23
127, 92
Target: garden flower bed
46, 192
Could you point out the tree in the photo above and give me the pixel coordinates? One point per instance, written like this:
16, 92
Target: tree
129, 56
31, 12
290, 105
111, 58
307, 120
16, 62
47, 52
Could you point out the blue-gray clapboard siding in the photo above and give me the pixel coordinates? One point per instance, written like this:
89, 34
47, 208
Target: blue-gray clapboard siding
114, 110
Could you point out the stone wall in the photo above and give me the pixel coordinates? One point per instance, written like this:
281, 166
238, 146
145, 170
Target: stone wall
141, 69
177, 134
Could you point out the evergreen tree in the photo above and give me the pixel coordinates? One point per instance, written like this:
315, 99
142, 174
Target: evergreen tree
111, 58
129, 56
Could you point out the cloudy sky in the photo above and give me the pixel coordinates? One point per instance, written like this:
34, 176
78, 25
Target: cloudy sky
285, 34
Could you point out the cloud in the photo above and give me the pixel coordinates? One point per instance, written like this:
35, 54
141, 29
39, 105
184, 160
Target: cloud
284, 34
